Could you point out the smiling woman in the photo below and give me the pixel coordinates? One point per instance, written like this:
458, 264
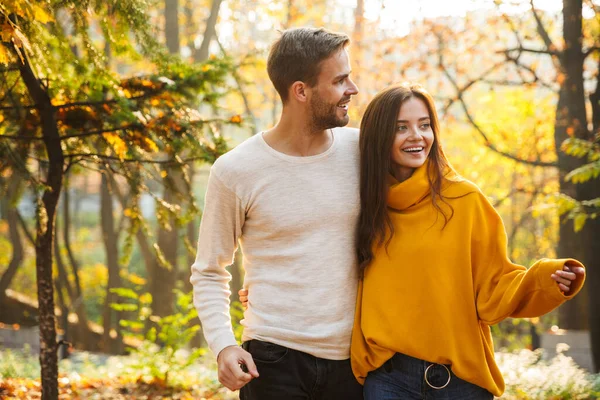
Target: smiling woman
414, 138
420, 219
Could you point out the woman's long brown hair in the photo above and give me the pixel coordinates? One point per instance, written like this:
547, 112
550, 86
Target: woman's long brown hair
377, 133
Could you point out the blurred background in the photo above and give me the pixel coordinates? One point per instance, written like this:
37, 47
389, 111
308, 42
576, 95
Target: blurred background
111, 113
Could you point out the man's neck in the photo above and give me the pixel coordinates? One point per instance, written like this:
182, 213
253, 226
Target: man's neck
296, 137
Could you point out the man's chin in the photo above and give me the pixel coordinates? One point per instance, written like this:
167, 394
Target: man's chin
343, 121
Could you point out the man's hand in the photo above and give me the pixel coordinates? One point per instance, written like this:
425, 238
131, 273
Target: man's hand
230, 360
243, 294
566, 276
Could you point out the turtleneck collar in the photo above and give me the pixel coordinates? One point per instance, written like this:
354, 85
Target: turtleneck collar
402, 195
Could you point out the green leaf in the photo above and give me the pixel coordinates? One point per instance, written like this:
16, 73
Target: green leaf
136, 325
125, 292
584, 173
579, 221
124, 307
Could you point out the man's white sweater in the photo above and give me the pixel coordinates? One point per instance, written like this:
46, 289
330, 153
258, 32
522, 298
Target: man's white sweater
295, 220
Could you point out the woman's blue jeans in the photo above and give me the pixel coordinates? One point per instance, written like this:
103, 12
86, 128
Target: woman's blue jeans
403, 378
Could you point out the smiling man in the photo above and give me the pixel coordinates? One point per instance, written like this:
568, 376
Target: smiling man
289, 197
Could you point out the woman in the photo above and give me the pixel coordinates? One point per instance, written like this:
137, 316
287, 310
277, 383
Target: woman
434, 266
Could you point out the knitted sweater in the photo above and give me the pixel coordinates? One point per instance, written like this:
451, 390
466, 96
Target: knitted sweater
436, 291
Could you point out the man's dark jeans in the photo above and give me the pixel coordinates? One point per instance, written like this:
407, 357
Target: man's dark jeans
287, 374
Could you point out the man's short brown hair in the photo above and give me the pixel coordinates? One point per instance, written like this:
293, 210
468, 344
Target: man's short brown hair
297, 56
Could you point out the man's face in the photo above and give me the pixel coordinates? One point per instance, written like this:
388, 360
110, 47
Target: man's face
330, 97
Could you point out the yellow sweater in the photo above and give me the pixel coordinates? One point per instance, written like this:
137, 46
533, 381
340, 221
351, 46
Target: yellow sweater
435, 293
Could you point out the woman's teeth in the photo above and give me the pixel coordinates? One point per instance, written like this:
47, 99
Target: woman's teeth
413, 149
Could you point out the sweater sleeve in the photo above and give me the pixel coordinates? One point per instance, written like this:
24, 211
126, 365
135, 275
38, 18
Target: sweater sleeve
504, 289
221, 225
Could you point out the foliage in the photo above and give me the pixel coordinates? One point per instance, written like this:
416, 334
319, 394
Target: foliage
580, 211
19, 364
529, 376
161, 352
514, 334
237, 314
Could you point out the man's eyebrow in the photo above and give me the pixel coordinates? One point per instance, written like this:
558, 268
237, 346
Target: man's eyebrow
341, 76
420, 119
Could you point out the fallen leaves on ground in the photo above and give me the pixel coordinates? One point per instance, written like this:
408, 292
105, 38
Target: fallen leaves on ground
91, 389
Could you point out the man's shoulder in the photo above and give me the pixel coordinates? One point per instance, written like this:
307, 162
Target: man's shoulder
347, 134
239, 158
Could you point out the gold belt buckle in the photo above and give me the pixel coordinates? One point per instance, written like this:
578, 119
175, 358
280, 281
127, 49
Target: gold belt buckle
437, 387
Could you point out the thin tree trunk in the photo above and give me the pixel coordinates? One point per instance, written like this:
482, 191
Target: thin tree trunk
357, 40
10, 214
172, 25
46, 215
110, 238
201, 54
78, 304
162, 279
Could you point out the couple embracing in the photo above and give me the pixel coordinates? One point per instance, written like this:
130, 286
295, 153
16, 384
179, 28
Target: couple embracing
373, 270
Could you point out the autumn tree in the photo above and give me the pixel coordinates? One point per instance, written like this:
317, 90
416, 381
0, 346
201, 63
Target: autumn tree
62, 109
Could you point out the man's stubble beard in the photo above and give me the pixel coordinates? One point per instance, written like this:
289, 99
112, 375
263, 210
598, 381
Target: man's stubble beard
324, 115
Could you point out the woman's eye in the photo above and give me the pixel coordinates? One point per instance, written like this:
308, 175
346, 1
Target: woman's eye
425, 126
402, 127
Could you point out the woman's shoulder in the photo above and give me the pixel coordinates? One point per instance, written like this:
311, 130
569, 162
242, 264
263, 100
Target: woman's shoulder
456, 185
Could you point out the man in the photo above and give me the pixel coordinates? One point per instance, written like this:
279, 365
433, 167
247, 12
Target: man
289, 197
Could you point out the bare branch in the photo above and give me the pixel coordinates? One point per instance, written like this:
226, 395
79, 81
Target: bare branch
522, 49
590, 51
101, 131
491, 146
541, 28
136, 160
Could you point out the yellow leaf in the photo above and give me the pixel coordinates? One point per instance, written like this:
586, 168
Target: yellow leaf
1, 117
579, 221
41, 15
236, 119
152, 147
117, 144
6, 32
163, 174
206, 68
3, 55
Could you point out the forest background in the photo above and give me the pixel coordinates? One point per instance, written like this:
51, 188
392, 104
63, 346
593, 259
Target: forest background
111, 113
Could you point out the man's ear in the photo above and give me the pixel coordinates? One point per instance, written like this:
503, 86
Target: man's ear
298, 91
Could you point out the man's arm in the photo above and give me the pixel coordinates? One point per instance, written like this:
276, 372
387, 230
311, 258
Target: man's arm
221, 226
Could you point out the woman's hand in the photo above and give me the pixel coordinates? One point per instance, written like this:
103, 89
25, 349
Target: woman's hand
565, 277
243, 294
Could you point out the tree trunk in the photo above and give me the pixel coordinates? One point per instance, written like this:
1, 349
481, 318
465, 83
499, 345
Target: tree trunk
9, 213
46, 214
162, 279
357, 40
201, 54
110, 237
78, 303
172, 25
571, 121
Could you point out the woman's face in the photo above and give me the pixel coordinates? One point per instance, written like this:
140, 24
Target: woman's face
414, 138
